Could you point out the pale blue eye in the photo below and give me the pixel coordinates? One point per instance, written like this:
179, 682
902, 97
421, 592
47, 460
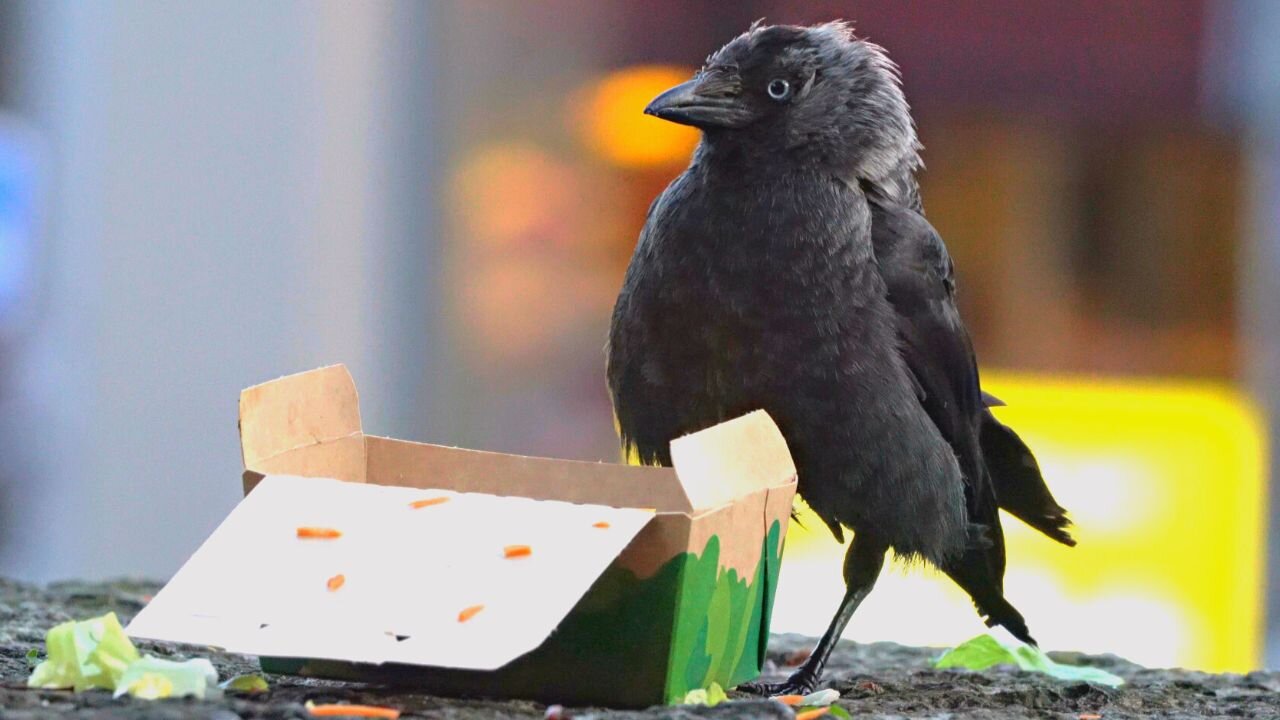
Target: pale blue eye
779, 89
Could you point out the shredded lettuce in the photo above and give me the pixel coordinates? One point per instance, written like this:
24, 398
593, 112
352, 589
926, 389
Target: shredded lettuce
153, 678
96, 653
987, 651
246, 683
86, 654
712, 695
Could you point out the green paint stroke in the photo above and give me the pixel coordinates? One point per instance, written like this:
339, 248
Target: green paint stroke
721, 624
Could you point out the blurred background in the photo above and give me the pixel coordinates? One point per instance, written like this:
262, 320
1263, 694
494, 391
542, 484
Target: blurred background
199, 197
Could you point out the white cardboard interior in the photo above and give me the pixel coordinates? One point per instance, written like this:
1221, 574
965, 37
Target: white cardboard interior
255, 587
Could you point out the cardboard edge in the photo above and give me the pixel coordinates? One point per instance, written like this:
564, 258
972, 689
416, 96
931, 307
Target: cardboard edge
407, 463
296, 411
345, 458
732, 459
250, 479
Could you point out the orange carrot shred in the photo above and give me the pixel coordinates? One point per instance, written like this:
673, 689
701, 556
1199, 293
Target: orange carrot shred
517, 551
318, 533
336, 582
789, 699
428, 502
470, 612
814, 713
602, 525
365, 711
1090, 716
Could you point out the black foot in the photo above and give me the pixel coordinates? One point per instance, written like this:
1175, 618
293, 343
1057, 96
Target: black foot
800, 683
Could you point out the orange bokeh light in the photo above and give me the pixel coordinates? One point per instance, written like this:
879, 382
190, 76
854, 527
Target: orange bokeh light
612, 122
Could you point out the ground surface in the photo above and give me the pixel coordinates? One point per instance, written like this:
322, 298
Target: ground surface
877, 681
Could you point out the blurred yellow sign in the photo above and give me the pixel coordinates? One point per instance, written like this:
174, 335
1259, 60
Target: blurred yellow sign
1165, 481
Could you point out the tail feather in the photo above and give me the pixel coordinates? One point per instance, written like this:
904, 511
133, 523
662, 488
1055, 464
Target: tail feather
1019, 486
972, 571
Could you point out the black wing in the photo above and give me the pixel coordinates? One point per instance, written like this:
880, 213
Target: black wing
918, 272
643, 421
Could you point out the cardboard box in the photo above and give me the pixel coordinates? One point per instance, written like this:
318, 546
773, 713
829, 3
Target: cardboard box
667, 589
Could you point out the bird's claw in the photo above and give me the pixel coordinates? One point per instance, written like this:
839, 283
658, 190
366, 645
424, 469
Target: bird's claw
801, 683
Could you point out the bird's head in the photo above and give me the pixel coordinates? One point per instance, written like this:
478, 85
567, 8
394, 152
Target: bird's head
805, 92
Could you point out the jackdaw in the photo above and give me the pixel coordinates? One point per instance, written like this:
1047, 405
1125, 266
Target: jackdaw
790, 268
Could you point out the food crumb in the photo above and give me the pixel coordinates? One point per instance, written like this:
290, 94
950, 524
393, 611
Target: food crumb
318, 533
428, 502
366, 711
602, 525
470, 612
336, 582
517, 551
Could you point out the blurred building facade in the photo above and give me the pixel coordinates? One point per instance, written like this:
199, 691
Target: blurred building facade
229, 192
445, 196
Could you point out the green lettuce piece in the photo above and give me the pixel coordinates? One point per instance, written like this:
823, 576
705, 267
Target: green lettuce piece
114, 651
85, 654
153, 678
711, 695
246, 683
696, 696
987, 651
979, 653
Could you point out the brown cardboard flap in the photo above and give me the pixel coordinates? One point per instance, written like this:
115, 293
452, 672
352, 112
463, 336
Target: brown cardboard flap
292, 412
778, 506
410, 464
662, 539
732, 460
740, 528
341, 459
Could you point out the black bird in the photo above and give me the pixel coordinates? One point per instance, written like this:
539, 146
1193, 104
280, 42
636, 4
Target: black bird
790, 268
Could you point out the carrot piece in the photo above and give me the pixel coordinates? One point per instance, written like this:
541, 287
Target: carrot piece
1090, 716
814, 713
364, 711
789, 699
336, 582
602, 525
517, 551
318, 533
428, 502
470, 612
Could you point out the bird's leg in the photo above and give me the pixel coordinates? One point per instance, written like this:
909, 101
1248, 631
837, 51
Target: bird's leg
862, 564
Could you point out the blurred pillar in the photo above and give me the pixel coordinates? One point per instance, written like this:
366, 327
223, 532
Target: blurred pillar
1244, 73
239, 191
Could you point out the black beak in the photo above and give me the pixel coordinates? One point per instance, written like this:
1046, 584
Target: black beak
706, 101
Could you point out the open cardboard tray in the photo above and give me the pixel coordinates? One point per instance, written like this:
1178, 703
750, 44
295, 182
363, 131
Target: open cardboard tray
672, 592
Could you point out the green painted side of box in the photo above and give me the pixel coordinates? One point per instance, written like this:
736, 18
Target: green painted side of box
629, 642
722, 619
